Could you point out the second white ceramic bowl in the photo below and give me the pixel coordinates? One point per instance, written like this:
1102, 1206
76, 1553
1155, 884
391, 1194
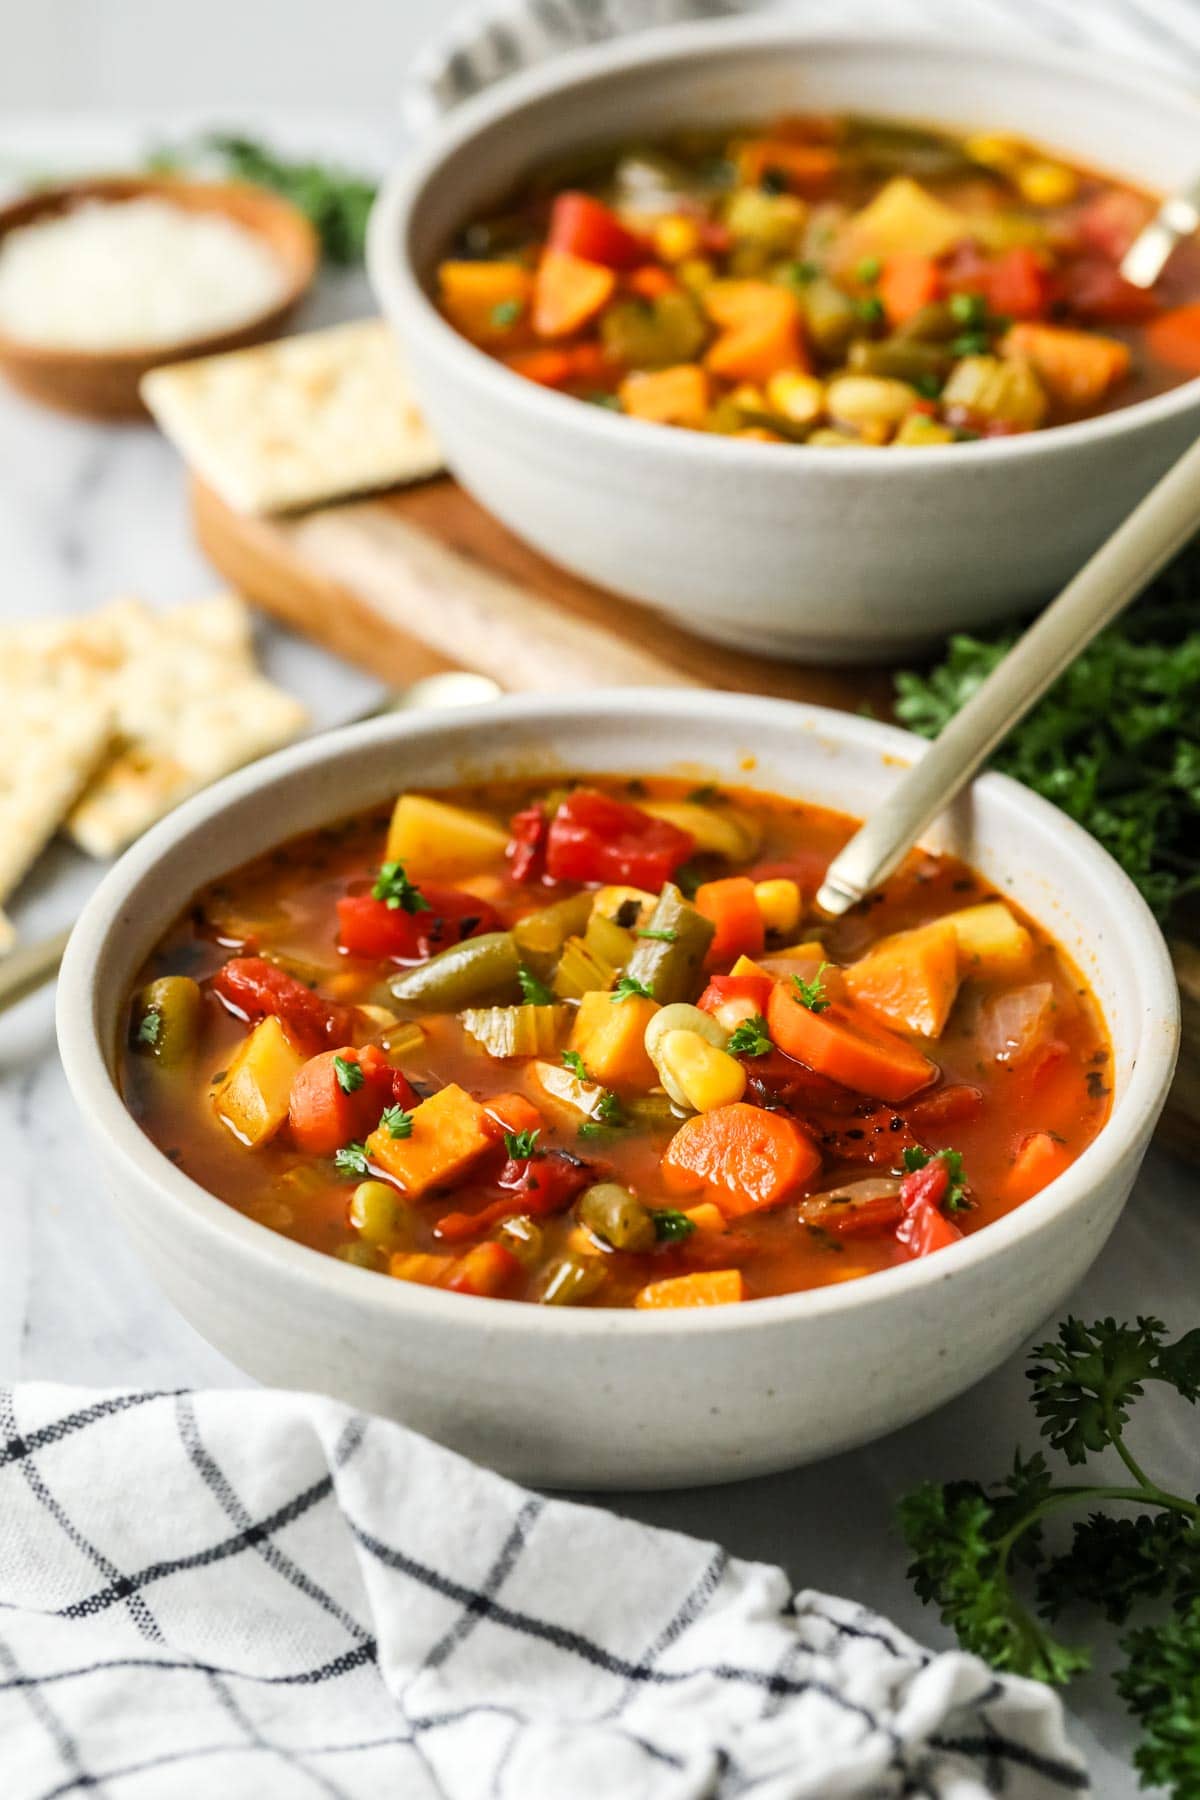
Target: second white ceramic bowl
832, 555
616, 1398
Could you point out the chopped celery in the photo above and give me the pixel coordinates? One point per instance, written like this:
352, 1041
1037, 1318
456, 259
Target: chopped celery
608, 941
581, 971
540, 935
668, 965
505, 1031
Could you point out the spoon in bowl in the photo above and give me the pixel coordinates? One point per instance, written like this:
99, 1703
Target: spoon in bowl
1158, 527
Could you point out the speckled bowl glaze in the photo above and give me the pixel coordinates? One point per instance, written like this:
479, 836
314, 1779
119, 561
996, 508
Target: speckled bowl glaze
619, 1398
840, 555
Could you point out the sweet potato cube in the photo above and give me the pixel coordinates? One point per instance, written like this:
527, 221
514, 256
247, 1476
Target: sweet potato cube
449, 1130
432, 838
610, 1036
990, 940
254, 1096
708, 1287
909, 980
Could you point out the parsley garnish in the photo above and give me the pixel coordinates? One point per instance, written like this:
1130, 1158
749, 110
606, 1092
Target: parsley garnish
870, 308
506, 313
811, 994
150, 1027
393, 887
349, 1076
670, 1225
914, 1157
533, 991
351, 1160
1114, 741
629, 987
608, 1115
750, 1038
665, 936
968, 1541
575, 1063
869, 269
396, 1122
971, 343
968, 309
520, 1145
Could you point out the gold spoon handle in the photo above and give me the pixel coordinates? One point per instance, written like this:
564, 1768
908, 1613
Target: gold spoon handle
1155, 530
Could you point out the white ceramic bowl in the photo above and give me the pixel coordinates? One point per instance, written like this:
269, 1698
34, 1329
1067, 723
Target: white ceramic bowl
846, 555
618, 1398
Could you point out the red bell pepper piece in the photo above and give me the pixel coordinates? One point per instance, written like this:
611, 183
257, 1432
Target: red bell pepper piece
527, 845
251, 987
584, 227
593, 837
539, 1185
370, 927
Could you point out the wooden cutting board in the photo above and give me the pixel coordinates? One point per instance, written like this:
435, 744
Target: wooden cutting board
408, 583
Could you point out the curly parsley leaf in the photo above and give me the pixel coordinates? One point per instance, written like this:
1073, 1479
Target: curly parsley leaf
393, 887
349, 1075
1086, 1380
1113, 1563
670, 1225
750, 1038
629, 988
149, 1028
336, 202
533, 991
1160, 1684
396, 1122
520, 1145
957, 1196
572, 1061
811, 994
351, 1159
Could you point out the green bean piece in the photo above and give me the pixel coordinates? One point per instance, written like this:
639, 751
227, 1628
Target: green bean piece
379, 1215
522, 1236
362, 1256
618, 1216
831, 316
167, 1019
669, 964
572, 1280
932, 324
654, 334
479, 971
541, 935
900, 359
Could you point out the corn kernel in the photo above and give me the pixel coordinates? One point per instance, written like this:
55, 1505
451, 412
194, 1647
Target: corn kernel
676, 237
800, 398
758, 434
749, 397
994, 149
705, 1076
696, 273
779, 903
1047, 183
919, 429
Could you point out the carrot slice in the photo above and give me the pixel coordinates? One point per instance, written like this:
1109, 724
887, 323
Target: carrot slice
567, 292
1040, 1157
733, 909
807, 168
1174, 338
907, 282
511, 1113
747, 1159
708, 1287
846, 1046
677, 396
760, 330
910, 979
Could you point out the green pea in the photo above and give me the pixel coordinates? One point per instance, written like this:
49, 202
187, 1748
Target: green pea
572, 1281
167, 1019
618, 1216
377, 1213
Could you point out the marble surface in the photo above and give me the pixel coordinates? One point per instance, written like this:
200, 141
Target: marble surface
87, 512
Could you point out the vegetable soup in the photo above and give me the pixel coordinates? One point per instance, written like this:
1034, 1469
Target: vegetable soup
829, 281
591, 1044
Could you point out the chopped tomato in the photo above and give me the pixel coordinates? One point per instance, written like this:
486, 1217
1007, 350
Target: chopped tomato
538, 1185
251, 987
754, 988
593, 837
1095, 289
526, 849
370, 927
1018, 284
924, 1226
586, 228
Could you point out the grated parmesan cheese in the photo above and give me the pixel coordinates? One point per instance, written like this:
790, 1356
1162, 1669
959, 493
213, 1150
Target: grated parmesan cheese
119, 275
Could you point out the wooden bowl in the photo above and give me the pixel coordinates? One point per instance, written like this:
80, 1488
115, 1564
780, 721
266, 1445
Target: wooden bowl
103, 384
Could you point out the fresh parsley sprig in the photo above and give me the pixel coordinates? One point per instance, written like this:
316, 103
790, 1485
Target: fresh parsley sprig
521, 1145
351, 1159
629, 988
533, 991
750, 1038
969, 1541
397, 892
957, 1197
396, 1121
811, 994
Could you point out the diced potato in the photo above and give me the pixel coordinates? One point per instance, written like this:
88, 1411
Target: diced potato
918, 429
909, 979
449, 1130
869, 399
433, 839
1047, 183
610, 1036
721, 830
990, 941
904, 216
707, 1287
991, 389
800, 399
253, 1098
583, 1097
706, 1217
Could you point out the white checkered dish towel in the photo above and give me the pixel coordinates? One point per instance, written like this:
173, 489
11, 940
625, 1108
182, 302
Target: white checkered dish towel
263, 1595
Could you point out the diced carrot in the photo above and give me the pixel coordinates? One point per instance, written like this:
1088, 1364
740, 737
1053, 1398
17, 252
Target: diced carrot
677, 396
419, 1266
807, 168
610, 1036
733, 908
910, 979
845, 1045
651, 282
745, 1158
759, 323
485, 300
1076, 367
949, 1106
707, 1287
553, 365
907, 282
324, 1114
1174, 338
511, 1113
486, 1269
1040, 1157
448, 1134
567, 292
